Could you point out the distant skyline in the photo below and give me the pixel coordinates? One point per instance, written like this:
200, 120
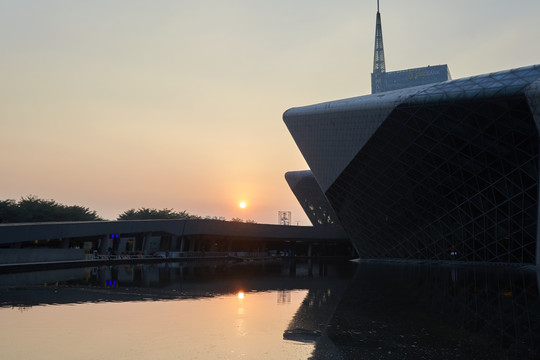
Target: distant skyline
178, 104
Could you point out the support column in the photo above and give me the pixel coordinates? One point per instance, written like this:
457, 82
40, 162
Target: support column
147, 243
182, 244
106, 243
292, 266
174, 243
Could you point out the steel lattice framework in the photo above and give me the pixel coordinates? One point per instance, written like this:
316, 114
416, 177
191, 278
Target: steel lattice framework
311, 198
442, 172
500, 307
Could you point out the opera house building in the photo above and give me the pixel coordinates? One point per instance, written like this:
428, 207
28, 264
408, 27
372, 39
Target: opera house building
444, 171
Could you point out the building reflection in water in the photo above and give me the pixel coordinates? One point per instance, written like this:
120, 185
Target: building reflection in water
396, 311
284, 297
194, 311
166, 281
366, 310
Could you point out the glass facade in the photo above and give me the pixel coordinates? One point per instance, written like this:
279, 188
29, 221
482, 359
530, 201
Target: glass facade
450, 174
401, 79
311, 198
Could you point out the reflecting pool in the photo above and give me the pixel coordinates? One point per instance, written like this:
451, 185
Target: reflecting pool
271, 310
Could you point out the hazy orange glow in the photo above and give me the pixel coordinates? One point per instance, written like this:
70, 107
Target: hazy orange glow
199, 128
149, 330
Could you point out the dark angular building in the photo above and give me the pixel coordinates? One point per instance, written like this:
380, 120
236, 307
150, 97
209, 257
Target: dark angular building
311, 198
446, 171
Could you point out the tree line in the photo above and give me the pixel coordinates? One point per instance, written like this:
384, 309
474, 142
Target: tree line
146, 214
33, 209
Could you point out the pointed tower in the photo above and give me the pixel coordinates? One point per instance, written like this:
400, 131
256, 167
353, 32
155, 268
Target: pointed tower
378, 83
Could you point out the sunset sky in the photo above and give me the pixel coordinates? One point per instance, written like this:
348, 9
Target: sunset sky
177, 104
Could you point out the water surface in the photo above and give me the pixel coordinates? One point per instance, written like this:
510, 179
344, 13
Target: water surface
273, 310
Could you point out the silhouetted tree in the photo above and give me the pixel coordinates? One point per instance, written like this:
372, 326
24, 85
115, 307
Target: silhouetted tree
148, 214
9, 211
34, 209
248, 221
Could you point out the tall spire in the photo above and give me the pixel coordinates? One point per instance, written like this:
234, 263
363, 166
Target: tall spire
378, 60
379, 66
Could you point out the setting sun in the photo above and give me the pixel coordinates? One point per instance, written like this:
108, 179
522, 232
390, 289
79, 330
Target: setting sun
242, 205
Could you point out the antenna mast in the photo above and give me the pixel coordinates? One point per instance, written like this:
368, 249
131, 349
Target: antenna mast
379, 66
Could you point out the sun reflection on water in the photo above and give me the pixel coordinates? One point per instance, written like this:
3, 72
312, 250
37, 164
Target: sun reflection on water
236, 325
